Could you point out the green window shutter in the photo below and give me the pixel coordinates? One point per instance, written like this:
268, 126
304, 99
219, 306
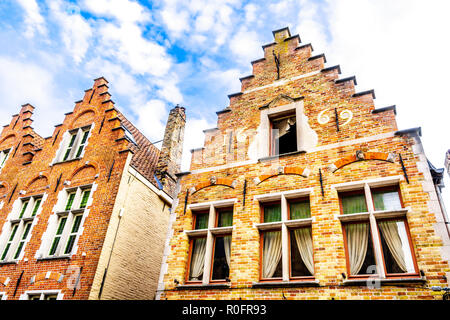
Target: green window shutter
69, 147
83, 141
57, 238
24, 207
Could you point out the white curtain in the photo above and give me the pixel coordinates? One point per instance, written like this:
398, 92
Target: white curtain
303, 239
391, 236
198, 258
357, 239
227, 247
271, 253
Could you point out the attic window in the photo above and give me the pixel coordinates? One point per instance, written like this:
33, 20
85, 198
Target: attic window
283, 134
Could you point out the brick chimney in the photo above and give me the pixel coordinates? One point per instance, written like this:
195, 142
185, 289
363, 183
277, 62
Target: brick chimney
169, 162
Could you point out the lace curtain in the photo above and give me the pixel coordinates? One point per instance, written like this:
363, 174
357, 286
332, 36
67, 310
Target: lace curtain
357, 239
271, 253
198, 258
303, 239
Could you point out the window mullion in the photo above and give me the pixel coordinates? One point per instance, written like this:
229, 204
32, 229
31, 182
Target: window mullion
374, 232
284, 239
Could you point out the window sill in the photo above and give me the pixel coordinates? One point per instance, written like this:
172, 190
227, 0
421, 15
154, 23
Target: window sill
400, 213
280, 155
9, 262
364, 216
286, 284
62, 257
204, 286
385, 282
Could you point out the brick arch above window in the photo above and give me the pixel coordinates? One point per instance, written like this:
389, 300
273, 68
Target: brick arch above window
37, 183
213, 181
7, 141
299, 171
360, 156
87, 172
83, 119
46, 276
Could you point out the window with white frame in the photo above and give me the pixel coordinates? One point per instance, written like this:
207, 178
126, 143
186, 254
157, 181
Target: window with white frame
3, 157
376, 232
19, 227
210, 243
69, 220
74, 144
286, 247
42, 295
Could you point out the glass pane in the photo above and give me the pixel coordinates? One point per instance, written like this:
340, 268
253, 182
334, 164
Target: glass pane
70, 199
271, 255
76, 223
272, 213
62, 223
396, 249
5, 252
36, 207
301, 253
197, 259
354, 203
70, 244
85, 198
50, 297
225, 219
299, 210
221, 269
13, 233
54, 245
201, 220
284, 135
24, 208
386, 200
361, 257
34, 297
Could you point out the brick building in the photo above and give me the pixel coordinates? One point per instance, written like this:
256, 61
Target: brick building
79, 209
305, 190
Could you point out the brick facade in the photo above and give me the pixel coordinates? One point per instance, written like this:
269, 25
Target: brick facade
343, 143
35, 166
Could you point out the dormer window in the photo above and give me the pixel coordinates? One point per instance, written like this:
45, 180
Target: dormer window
73, 144
283, 134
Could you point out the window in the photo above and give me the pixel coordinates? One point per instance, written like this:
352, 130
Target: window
286, 239
376, 234
210, 244
19, 229
283, 138
74, 144
69, 222
3, 157
42, 296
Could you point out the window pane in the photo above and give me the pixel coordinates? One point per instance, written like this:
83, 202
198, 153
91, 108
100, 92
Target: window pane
36, 207
22, 240
197, 259
85, 198
70, 199
386, 200
302, 264
201, 220
69, 147
354, 204
221, 261
284, 135
24, 208
271, 255
225, 219
83, 141
299, 210
396, 249
272, 213
360, 249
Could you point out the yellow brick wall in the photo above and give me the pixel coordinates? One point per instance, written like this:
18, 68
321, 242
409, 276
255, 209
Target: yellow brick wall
366, 132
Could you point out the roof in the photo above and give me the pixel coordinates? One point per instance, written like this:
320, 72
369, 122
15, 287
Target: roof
145, 154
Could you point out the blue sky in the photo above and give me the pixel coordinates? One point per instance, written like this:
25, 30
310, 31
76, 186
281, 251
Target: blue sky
156, 54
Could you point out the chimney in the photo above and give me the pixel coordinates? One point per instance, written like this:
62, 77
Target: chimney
169, 162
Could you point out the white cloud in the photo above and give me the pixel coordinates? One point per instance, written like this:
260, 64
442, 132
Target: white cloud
125, 11
152, 118
23, 82
246, 46
34, 21
75, 30
194, 137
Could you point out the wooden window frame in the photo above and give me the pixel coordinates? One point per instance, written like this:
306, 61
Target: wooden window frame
78, 135
277, 117
210, 233
373, 221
